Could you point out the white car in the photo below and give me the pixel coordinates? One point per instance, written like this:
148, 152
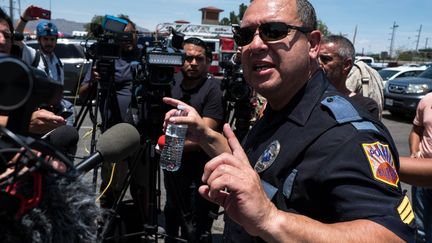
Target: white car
400, 72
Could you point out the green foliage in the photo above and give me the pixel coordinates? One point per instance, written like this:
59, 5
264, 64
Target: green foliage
233, 17
323, 28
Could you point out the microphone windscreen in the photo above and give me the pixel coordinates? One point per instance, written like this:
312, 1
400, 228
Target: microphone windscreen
161, 142
118, 142
64, 138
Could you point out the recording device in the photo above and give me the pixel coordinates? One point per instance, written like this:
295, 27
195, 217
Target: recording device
22, 90
40, 13
235, 87
158, 63
109, 35
37, 198
238, 96
114, 145
64, 138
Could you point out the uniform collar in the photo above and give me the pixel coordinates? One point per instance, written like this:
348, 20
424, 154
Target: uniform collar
300, 108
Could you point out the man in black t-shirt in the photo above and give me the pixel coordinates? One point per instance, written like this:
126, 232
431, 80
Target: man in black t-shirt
336, 57
193, 87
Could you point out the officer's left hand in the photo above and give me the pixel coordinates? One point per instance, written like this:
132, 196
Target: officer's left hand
233, 184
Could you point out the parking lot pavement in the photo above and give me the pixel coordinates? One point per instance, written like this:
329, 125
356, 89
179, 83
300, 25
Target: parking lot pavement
398, 127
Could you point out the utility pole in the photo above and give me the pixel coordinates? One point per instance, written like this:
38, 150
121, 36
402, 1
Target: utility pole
426, 43
355, 35
418, 37
11, 10
392, 38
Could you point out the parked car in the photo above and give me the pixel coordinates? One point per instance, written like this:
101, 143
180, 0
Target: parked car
71, 54
400, 72
402, 95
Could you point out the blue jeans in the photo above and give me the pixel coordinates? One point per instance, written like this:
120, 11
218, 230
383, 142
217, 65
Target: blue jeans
422, 206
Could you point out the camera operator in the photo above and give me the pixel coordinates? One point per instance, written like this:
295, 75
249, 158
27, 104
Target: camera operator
44, 58
42, 121
193, 87
49, 204
114, 103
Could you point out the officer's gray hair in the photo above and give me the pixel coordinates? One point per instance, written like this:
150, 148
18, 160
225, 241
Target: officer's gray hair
307, 14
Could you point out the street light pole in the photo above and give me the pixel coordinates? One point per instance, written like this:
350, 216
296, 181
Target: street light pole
11, 10
392, 39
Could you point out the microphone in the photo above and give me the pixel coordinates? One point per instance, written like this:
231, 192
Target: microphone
160, 143
64, 138
114, 145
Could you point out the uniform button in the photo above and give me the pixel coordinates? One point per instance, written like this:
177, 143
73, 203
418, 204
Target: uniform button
330, 99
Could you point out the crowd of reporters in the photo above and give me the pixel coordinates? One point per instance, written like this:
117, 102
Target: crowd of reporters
202, 98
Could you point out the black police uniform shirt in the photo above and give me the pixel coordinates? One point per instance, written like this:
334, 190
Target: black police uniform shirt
323, 158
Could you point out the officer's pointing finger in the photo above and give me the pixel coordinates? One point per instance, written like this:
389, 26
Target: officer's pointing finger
234, 144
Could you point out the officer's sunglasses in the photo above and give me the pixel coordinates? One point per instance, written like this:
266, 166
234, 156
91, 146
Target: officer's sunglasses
271, 31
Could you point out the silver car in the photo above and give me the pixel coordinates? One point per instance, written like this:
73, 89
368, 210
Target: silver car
71, 54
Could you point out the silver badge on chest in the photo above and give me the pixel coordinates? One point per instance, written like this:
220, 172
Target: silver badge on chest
268, 157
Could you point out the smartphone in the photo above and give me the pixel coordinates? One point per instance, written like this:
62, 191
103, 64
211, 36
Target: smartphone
40, 13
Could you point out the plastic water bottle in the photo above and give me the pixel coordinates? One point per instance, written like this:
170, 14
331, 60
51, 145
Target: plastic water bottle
171, 156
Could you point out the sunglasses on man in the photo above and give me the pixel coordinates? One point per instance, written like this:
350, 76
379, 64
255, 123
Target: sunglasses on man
268, 32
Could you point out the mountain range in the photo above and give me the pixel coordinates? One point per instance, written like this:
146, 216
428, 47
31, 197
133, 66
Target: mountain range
67, 26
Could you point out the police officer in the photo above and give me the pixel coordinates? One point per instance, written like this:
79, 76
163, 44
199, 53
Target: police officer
314, 168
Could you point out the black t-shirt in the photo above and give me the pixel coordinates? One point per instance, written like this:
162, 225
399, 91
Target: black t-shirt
207, 98
366, 103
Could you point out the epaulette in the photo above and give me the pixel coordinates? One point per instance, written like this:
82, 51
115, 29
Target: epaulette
344, 112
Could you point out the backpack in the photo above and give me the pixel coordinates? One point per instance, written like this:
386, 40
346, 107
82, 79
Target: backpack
365, 80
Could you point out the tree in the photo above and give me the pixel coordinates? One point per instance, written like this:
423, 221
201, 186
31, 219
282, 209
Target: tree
94, 27
233, 17
323, 28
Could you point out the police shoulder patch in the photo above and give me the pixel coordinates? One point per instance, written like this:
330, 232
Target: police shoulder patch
381, 163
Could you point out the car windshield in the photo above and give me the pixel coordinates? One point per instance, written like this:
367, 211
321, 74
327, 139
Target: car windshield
386, 74
64, 50
426, 74
68, 51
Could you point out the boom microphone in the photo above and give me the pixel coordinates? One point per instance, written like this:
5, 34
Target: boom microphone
114, 145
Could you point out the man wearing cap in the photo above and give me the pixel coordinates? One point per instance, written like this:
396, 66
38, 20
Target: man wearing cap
44, 58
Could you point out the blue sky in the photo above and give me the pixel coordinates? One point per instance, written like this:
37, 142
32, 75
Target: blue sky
373, 18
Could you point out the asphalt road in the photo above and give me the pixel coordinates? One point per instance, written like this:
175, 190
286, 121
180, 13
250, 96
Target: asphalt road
398, 127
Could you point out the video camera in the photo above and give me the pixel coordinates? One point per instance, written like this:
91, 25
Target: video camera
109, 35
158, 63
235, 87
22, 90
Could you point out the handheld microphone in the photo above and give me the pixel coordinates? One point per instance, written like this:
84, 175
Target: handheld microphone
65, 138
114, 145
